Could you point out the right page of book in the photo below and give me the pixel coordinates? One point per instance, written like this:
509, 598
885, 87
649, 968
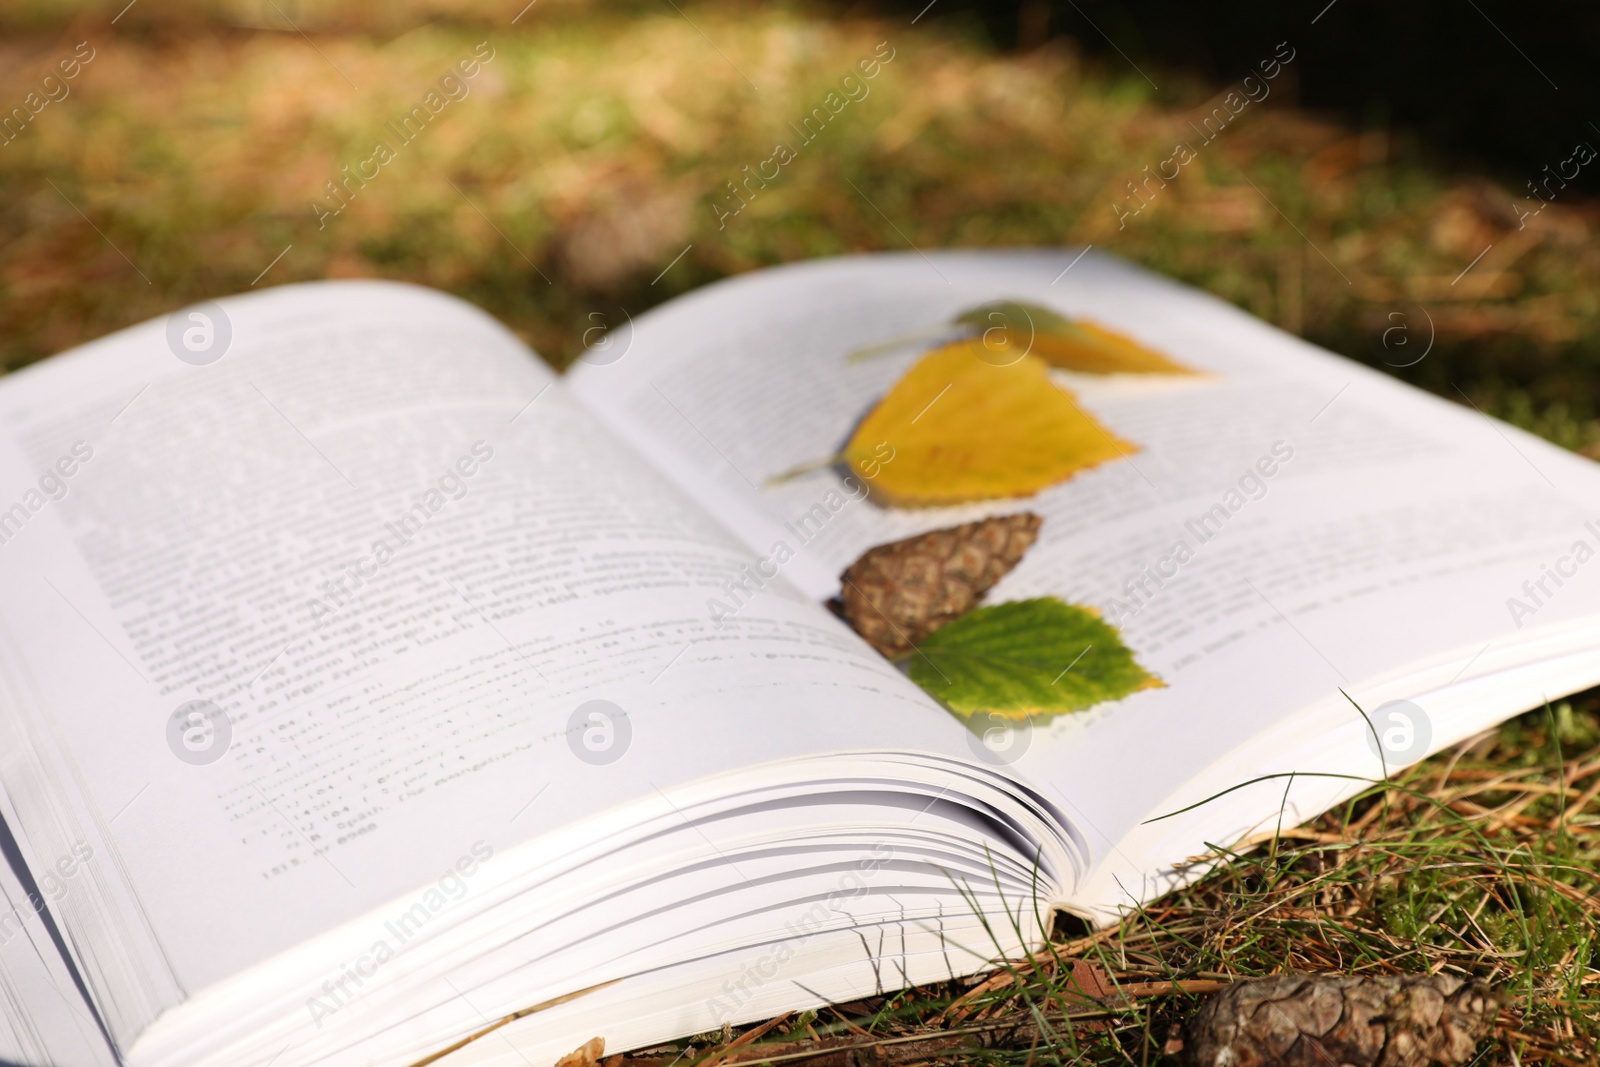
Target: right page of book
1263, 526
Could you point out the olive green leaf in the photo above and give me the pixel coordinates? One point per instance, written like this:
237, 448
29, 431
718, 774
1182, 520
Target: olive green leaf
1027, 658
1010, 329
1015, 315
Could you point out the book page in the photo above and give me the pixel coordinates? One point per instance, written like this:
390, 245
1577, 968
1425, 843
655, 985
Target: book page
367, 598
48, 1019
1279, 527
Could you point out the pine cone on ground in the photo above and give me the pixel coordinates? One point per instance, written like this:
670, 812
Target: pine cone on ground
1318, 1020
897, 594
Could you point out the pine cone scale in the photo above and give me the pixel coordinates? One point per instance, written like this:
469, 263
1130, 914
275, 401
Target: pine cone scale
1323, 1020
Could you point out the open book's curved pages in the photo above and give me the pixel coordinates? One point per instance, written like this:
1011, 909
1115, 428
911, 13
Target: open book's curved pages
370, 695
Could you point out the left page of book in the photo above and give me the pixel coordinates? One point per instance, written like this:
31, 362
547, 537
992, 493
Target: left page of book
293, 627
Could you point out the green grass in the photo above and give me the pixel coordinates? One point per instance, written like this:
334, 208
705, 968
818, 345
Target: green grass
595, 147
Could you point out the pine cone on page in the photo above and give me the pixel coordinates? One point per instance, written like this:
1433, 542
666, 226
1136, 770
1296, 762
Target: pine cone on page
1316, 1020
897, 594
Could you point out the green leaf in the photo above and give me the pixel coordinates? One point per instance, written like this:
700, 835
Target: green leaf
1027, 658
1010, 329
1015, 315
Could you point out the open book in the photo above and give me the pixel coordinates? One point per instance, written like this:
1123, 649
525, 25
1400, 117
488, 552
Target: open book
369, 694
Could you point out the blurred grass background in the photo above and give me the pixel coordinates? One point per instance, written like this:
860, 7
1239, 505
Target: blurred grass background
597, 144
589, 165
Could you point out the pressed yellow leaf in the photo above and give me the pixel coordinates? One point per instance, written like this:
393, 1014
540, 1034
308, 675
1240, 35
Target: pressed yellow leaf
1071, 344
963, 429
